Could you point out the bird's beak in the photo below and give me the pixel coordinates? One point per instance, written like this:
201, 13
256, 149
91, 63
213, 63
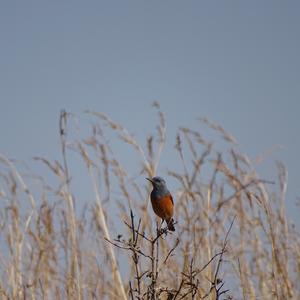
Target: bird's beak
150, 180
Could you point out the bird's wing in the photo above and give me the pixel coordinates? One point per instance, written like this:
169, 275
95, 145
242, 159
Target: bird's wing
172, 199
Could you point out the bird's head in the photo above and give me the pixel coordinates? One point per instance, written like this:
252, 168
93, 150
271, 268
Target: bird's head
158, 182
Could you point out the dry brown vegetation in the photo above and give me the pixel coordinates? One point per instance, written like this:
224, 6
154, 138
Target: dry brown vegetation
232, 239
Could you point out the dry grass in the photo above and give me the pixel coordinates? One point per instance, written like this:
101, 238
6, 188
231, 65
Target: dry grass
232, 239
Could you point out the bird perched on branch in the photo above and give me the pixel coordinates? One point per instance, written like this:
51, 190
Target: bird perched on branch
162, 201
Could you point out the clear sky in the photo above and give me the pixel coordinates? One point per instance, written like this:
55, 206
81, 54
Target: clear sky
235, 62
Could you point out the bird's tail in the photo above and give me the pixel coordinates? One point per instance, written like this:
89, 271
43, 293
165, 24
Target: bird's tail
170, 224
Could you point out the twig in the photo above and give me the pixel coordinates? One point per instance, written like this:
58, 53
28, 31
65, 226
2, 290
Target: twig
130, 290
172, 250
216, 281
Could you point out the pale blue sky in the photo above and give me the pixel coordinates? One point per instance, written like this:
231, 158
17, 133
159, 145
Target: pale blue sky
235, 62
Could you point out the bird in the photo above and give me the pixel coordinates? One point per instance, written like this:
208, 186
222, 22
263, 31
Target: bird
162, 201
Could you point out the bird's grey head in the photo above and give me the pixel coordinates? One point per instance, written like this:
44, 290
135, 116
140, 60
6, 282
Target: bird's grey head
158, 184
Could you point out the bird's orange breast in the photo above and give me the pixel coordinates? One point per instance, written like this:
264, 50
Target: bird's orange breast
163, 207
